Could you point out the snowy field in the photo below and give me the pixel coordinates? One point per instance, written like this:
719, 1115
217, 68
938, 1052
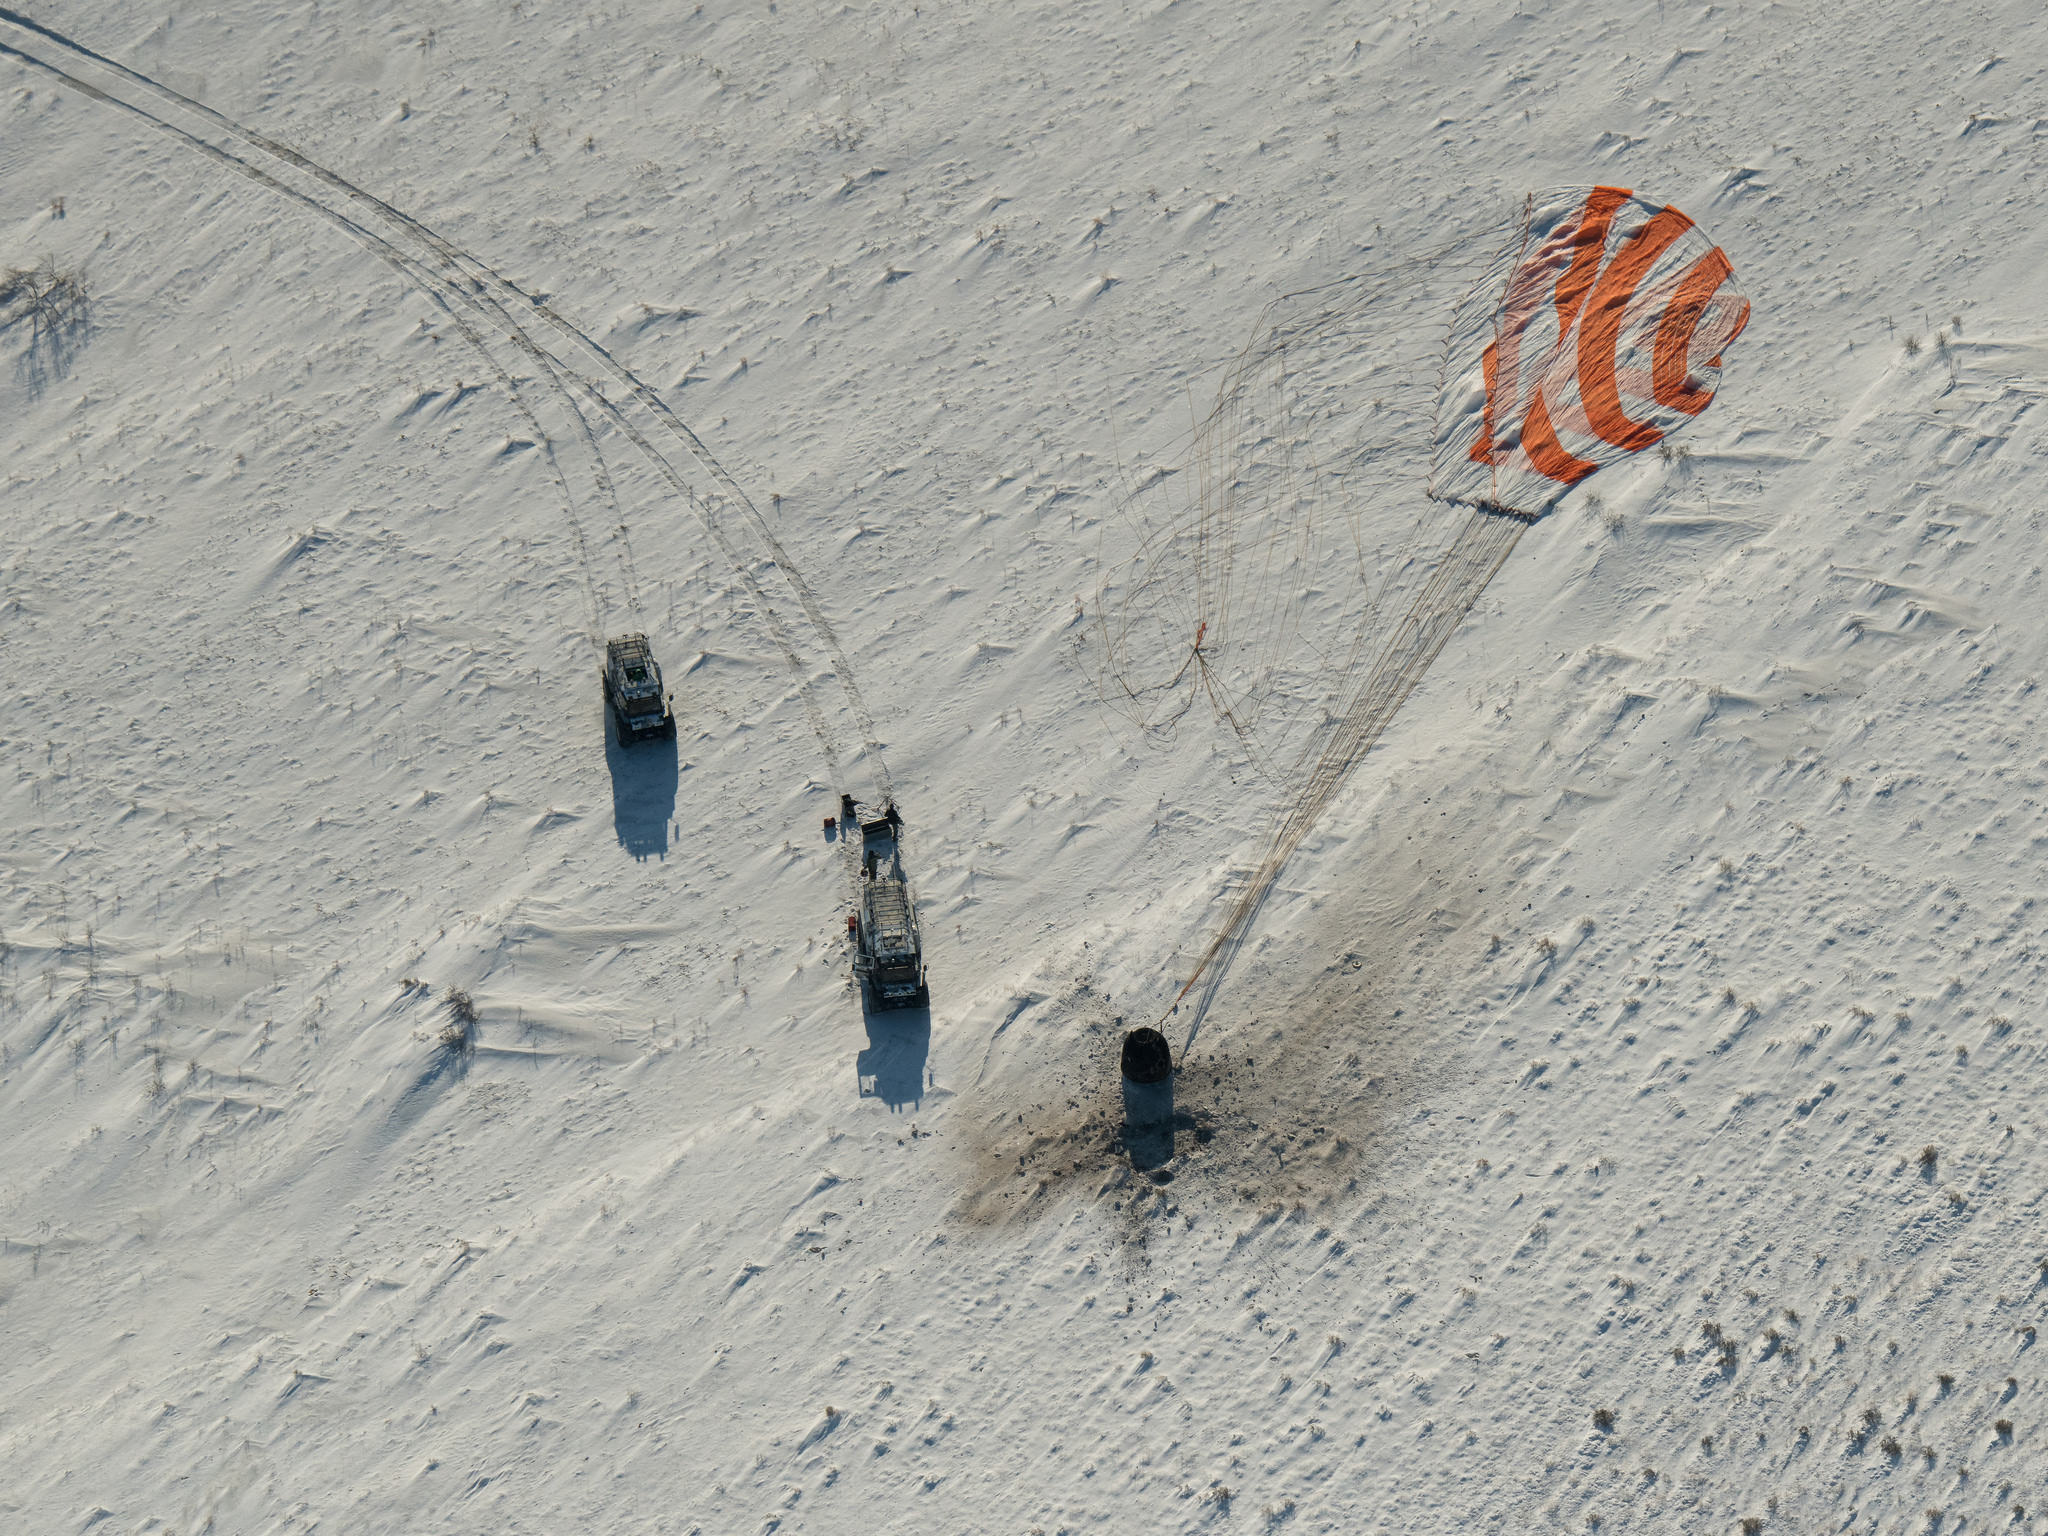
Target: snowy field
1621, 1118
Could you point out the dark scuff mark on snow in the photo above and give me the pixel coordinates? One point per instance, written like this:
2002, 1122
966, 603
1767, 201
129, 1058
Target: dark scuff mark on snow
1296, 1100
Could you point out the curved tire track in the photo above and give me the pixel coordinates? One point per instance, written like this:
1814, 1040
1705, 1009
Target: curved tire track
477, 287
404, 265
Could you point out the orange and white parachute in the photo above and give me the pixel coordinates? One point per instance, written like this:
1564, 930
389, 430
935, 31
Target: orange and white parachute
1589, 339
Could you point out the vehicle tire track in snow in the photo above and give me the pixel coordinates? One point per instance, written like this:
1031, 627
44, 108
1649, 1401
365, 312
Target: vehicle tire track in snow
406, 266
466, 292
475, 279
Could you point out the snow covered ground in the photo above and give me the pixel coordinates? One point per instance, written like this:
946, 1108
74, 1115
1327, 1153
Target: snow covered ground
1622, 1118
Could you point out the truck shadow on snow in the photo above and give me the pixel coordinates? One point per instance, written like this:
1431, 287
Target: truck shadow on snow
892, 1067
644, 779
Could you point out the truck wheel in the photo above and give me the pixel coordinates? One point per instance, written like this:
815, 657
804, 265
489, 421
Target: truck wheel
625, 731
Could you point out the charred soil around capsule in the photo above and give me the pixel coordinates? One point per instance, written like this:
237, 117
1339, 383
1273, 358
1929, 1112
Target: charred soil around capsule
1276, 1111
1298, 1088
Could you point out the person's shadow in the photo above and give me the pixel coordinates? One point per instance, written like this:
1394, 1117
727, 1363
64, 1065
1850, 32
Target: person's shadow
644, 780
892, 1067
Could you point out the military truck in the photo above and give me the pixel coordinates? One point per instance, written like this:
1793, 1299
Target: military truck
888, 950
632, 687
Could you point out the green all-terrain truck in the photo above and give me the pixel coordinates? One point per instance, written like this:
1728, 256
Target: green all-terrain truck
632, 687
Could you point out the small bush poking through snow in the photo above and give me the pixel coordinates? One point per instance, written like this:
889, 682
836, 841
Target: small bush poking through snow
459, 1033
1928, 1157
1603, 1418
57, 309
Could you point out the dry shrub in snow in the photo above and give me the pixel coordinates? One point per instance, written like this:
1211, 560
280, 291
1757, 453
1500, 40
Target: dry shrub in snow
459, 1034
57, 310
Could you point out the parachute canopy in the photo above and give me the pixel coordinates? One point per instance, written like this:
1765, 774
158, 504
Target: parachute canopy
1590, 338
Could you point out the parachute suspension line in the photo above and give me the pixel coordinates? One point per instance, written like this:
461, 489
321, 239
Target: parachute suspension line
1482, 545
1590, 325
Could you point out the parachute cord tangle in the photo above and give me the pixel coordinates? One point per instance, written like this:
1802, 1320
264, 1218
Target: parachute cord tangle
1482, 546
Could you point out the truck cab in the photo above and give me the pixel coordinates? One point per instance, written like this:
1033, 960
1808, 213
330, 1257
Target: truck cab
633, 689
